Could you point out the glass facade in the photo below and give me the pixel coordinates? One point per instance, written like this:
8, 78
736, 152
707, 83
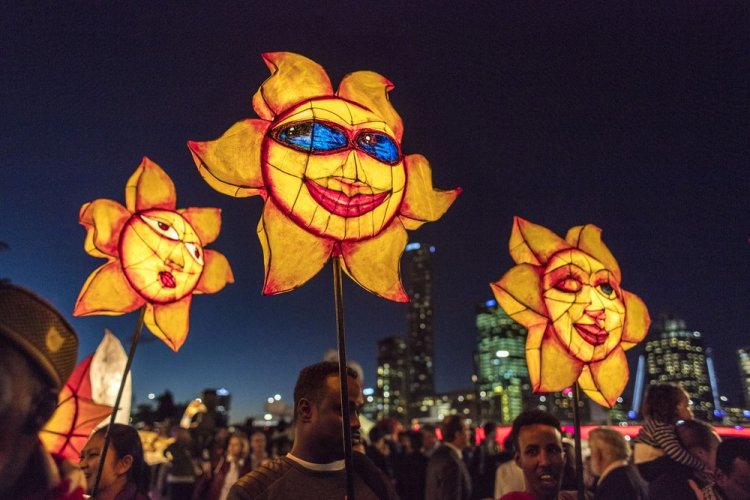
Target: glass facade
391, 390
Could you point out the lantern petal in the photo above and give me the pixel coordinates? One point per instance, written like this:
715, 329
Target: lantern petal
216, 272
150, 187
292, 256
604, 381
107, 291
170, 322
533, 244
637, 320
371, 90
107, 367
374, 263
231, 163
103, 220
206, 221
75, 416
589, 239
294, 78
423, 203
517, 292
558, 368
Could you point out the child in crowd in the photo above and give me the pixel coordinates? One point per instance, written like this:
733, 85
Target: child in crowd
664, 406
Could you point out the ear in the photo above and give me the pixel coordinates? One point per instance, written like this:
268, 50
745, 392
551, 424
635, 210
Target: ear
304, 410
517, 457
124, 464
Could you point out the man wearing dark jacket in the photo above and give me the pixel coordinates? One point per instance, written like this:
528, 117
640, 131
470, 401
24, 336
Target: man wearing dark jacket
447, 476
618, 479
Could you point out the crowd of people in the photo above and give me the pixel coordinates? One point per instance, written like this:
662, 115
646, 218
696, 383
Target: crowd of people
675, 456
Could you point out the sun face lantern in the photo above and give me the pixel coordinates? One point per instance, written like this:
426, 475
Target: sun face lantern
155, 255
580, 321
331, 171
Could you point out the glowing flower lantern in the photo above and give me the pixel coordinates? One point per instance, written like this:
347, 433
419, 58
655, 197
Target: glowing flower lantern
107, 368
76, 416
155, 255
330, 169
580, 321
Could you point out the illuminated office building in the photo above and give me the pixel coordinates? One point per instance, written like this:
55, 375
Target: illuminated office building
501, 376
743, 356
391, 391
417, 273
675, 354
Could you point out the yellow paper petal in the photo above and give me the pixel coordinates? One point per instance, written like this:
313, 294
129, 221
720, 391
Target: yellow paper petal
558, 369
150, 187
294, 78
216, 272
518, 293
107, 292
374, 263
422, 203
371, 89
292, 255
103, 220
206, 221
604, 381
589, 239
231, 164
637, 320
533, 244
170, 322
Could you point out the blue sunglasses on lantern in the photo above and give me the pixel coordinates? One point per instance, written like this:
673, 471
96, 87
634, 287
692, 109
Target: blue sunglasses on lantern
320, 138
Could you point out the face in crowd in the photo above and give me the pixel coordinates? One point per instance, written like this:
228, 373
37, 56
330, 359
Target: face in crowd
327, 416
540, 456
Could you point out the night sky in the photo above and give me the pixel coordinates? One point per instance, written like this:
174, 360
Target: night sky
633, 117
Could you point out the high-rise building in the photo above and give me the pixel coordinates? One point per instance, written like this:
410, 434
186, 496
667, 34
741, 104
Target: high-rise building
743, 357
392, 384
419, 338
676, 354
502, 378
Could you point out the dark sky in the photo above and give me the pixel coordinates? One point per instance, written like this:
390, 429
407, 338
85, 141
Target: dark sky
633, 117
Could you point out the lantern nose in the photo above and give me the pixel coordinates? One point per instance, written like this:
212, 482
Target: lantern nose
351, 168
176, 260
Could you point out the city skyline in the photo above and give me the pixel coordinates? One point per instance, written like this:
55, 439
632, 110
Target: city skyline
632, 118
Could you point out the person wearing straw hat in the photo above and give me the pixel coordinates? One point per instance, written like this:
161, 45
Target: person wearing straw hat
38, 350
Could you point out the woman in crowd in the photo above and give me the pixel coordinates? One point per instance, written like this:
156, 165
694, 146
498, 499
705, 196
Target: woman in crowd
124, 474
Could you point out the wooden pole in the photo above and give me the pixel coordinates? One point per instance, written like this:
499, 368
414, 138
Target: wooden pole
338, 295
577, 437
107, 437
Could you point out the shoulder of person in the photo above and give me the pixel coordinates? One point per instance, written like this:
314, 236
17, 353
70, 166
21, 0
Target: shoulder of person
255, 483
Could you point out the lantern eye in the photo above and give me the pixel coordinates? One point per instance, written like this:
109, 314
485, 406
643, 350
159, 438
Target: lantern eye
312, 137
161, 227
378, 145
195, 252
569, 284
607, 290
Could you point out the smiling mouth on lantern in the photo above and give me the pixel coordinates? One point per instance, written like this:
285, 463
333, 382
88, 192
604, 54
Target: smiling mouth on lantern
339, 203
167, 279
594, 335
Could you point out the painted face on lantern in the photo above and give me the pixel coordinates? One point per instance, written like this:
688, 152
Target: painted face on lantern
335, 167
585, 304
162, 256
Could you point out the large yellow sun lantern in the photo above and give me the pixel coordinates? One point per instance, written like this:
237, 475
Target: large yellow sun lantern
331, 171
155, 255
580, 321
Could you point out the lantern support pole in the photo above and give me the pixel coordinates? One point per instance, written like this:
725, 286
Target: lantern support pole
107, 437
579, 456
338, 295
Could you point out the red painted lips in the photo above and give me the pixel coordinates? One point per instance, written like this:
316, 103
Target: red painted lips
594, 335
167, 279
339, 203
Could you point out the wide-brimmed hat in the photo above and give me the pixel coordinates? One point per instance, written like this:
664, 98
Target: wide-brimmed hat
39, 331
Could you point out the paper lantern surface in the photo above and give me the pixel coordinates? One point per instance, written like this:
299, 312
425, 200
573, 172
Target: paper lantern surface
106, 371
331, 171
76, 416
155, 255
568, 294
